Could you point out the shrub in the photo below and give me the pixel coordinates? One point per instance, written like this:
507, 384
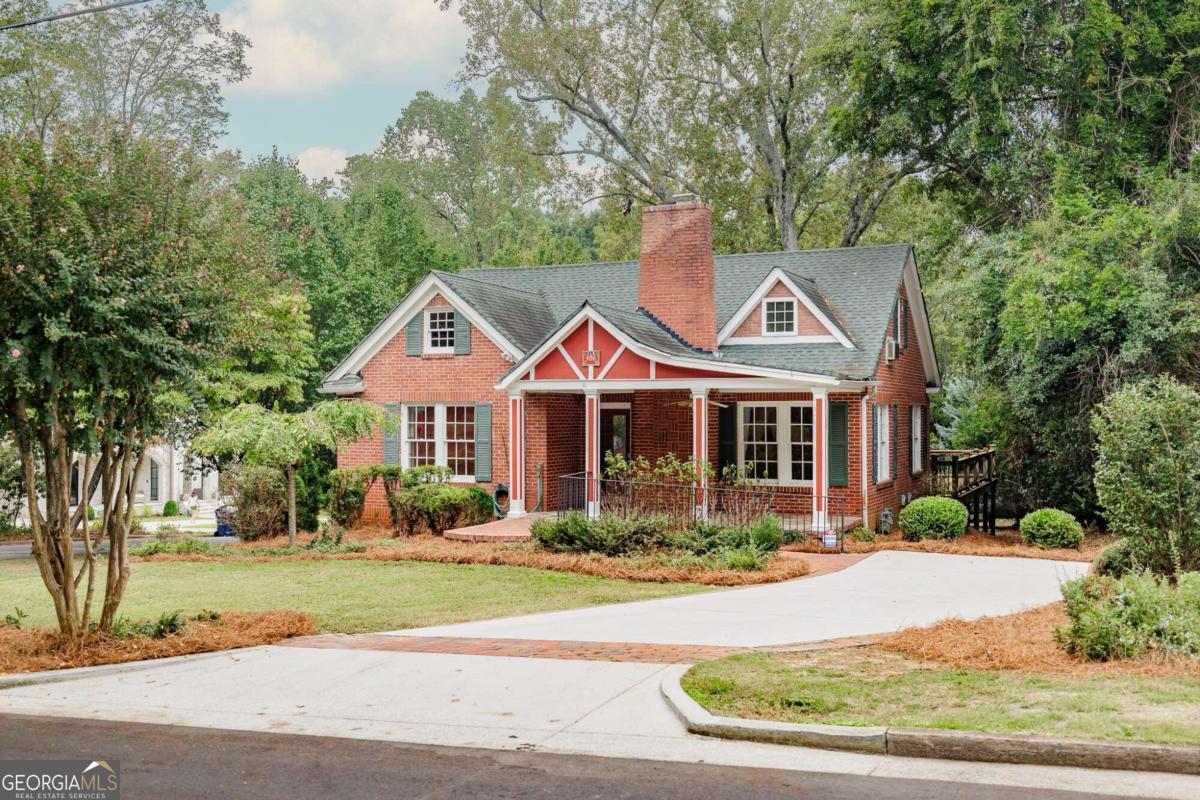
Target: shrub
747, 558
483, 501
933, 518
1131, 616
168, 533
348, 487
569, 533
1115, 560
426, 474
1049, 527
91, 512
312, 487
1148, 446
435, 507
184, 546
767, 534
610, 535
170, 509
260, 497
861, 534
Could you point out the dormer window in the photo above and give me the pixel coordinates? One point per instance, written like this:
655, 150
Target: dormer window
439, 331
779, 317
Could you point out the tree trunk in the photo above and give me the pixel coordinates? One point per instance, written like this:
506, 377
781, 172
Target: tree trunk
291, 481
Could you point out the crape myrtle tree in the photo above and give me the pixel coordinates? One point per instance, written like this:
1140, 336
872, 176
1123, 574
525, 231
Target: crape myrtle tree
120, 282
280, 440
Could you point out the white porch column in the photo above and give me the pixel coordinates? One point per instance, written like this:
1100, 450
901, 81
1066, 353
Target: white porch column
516, 454
591, 451
820, 461
700, 449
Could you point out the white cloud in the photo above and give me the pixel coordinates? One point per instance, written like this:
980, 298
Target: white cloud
305, 45
321, 162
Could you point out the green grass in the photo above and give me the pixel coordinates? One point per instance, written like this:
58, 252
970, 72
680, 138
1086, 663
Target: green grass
865, 686
343, 596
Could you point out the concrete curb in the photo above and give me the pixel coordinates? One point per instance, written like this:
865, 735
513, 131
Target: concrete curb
62, 675
941, 744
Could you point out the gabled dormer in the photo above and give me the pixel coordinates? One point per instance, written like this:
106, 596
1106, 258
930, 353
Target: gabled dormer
784, 309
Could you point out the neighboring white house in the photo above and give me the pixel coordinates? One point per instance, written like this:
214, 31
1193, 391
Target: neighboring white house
167, 474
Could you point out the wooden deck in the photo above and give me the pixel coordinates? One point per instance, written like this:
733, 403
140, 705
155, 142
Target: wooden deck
968, 476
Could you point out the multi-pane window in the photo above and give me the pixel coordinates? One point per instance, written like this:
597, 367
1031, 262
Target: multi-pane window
777, 442
420, 436
439, 331
460, 440
883, 443
917, 439
779, 316
760, 442
802, 443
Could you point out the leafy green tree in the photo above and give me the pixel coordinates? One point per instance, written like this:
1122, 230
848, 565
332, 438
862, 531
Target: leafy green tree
992, 97
114, 298
155, 70
280, 440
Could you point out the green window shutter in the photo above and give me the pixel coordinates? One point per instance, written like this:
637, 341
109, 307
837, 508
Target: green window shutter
412, 335
895, 435
839, 444
874, 444
483, 443
726, 438
462, 335
391, 441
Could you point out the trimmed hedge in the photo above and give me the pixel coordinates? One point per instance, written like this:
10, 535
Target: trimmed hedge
434, 507
170, 509
1050, 527
933, 518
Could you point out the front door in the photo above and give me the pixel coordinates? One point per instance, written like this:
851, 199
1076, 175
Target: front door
614, 432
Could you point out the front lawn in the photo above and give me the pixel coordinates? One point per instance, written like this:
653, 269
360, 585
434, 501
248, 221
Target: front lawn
870, 686
342, 596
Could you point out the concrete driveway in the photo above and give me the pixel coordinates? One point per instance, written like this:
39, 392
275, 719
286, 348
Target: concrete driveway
572, 702
886, 592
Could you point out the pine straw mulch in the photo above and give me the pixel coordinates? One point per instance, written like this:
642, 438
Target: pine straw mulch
435, 549
40, 649
974, 543
1022, 642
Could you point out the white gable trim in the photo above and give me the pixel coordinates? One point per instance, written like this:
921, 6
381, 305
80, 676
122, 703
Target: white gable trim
916, 306
777, 275
413, 304
654, 356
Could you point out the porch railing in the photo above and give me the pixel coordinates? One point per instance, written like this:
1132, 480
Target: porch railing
801, 515
968, 476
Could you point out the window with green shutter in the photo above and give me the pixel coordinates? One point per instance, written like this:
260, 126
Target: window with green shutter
413, 335
462, 335
483, 442
839, 444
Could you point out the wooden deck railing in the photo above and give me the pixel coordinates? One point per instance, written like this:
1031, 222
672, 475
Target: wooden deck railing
970, 477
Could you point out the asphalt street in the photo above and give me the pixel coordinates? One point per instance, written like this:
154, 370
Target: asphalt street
161, 761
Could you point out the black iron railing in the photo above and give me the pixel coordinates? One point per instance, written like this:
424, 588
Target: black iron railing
804, 517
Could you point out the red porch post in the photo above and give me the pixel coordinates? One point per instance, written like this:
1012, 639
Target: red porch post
516, 454
700, 448
591, 450
820, 507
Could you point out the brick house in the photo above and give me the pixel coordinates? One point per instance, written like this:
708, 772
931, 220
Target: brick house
811, 370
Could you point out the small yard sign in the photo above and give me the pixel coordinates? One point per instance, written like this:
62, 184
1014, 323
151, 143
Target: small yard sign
829, 539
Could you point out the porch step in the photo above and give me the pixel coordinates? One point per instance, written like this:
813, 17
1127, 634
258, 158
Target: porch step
509, 529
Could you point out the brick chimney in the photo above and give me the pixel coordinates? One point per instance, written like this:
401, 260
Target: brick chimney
675, 282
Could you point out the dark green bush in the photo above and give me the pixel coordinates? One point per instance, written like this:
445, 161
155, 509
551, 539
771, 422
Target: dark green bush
1115, 560
746, 558
170, 509
483, 501
348, 487
609, 535
434, 507
1049, 527
933, 518
312, 487
767, 534
1131, 616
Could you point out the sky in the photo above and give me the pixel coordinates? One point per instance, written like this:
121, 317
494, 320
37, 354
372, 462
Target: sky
328, 76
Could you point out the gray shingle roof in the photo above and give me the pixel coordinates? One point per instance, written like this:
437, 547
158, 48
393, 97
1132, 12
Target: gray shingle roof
856, 287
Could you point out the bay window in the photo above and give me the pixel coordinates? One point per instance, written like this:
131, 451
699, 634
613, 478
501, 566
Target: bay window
776, 442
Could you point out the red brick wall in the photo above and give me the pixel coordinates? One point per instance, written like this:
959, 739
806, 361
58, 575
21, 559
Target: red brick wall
677, 283
554, 439
901, 382
393, 377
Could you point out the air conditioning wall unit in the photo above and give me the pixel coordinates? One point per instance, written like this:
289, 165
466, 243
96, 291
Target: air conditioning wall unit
890, 349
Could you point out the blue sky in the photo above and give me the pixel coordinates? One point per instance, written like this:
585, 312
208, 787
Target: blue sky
329, 75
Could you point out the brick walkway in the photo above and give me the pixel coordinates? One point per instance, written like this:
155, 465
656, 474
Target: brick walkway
547, 648
519, 648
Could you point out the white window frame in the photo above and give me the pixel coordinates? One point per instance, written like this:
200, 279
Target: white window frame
427, 328
916, 439
783, 440
793, 302
883, 443
441, 451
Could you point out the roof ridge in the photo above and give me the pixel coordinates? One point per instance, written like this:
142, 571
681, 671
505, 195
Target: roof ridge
489, 284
